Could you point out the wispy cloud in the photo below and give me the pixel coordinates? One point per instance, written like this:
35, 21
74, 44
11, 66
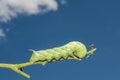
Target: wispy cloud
12, 8
63, 1
2, 34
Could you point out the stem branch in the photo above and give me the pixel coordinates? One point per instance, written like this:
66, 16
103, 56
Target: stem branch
17, 67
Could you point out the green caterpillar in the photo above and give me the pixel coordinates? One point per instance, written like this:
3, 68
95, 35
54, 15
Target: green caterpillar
73, 50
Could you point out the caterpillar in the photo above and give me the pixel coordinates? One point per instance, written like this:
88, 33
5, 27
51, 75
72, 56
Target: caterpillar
72, 50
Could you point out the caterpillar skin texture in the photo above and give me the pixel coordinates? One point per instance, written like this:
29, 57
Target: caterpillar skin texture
73, 50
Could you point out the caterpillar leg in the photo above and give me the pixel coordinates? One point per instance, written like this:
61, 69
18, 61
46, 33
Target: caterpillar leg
55, 59
63, 58
76, 55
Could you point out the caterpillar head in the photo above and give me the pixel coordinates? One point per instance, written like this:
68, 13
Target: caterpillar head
80, 49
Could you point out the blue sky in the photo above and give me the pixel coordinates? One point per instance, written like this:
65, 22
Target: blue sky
88, 21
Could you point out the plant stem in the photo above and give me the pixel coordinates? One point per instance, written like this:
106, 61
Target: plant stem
17, 67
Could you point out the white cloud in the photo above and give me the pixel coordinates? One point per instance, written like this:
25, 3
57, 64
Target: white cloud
2, 34
12, 8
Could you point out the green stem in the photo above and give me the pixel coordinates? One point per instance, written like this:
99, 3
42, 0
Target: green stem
16, 67
91, 51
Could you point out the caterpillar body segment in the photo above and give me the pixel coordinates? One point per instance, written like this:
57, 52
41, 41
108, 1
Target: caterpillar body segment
73, 50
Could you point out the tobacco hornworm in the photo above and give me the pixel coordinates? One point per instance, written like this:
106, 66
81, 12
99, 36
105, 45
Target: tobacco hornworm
73, 50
